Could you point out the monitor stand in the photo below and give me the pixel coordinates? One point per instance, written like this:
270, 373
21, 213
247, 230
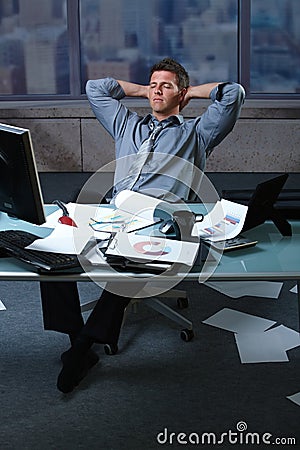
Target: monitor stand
280, 222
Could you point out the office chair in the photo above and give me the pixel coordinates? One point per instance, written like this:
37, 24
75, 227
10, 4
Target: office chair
156, 304
90, 194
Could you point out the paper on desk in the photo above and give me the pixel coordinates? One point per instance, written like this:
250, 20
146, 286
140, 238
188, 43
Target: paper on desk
136, 203
80, 213
235, 289
149, 248
238, 322
295, 398
141, 208
65, 238
114, 220
224, 221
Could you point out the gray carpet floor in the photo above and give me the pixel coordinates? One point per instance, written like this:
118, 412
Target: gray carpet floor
157, 383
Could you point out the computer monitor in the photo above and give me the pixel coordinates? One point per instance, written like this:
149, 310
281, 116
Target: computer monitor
20, 192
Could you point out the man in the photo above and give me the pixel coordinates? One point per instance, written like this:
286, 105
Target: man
186, 141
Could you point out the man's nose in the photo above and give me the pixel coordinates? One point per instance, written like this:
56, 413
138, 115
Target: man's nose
158, 90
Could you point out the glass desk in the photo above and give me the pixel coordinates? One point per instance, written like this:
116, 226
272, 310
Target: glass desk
273, 258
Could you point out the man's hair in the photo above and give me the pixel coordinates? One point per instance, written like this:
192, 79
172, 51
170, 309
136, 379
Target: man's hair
170, 65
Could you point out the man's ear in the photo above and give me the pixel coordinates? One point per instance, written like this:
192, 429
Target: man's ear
182, 93
181, 98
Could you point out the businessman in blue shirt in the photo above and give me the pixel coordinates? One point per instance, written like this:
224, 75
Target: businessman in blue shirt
165, 173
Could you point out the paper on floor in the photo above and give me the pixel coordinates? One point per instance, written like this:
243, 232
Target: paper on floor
289, 338
238, 322
235, 289
260, 347
255, 341
2, 306
295, 398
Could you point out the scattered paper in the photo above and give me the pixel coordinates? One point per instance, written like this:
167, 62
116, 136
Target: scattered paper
260, 347
2, 306
238, 322
224, 221
295, 398
235, 289
289, 338
294, 290
255, 340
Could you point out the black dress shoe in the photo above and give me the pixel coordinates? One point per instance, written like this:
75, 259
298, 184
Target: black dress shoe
75, 367
92, 357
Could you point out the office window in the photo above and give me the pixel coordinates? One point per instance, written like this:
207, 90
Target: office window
124, 38
33, 47
49, 48
275, 46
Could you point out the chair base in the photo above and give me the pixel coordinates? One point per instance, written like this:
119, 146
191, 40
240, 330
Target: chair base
156, 304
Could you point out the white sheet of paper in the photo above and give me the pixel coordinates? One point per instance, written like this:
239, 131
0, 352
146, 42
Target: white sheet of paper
289, 338
65, 238
238, 322
2, 306
295, 398
136, 203
294, 290
225, 221
235, 289
260, 347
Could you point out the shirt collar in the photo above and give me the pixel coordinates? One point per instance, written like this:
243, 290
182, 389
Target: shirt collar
177, 118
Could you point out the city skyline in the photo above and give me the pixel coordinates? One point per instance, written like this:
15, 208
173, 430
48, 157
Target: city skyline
124, 38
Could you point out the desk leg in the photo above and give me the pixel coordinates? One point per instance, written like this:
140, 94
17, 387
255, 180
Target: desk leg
298, 297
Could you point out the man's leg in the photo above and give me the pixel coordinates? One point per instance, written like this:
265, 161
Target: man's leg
102, 326
61, 307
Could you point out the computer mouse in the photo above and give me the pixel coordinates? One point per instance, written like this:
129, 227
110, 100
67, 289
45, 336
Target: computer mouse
167, 227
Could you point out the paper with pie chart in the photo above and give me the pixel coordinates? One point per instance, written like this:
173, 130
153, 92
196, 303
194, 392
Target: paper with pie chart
149, 248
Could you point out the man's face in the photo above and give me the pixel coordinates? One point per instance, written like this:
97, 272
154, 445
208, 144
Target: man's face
164, 94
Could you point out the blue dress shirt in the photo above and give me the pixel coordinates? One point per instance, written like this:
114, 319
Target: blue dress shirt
179, 147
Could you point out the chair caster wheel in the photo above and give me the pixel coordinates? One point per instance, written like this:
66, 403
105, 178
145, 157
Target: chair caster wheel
182, 302
187, 335
110, 349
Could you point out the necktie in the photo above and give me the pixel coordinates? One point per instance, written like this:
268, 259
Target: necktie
140, 159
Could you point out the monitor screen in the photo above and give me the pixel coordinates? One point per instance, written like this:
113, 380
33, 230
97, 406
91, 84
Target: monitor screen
20, 192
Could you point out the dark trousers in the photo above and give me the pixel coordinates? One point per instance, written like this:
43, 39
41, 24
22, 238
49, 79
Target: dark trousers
61, 312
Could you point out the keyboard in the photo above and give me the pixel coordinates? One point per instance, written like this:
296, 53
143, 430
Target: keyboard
13, 243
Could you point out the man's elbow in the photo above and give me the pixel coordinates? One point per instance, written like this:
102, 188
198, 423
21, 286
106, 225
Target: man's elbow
90, 87
241, 93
